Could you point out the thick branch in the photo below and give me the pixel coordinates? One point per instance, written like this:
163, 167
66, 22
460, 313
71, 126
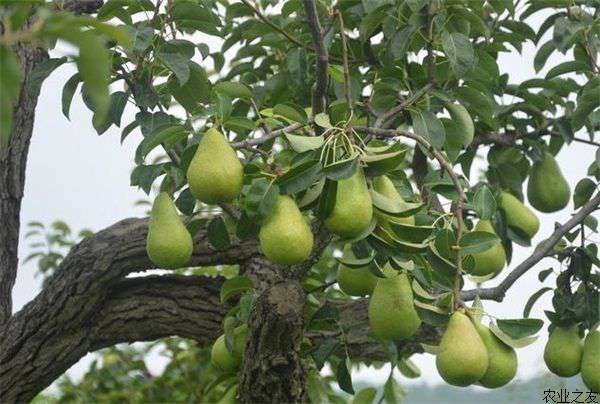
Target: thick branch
497, 293
319, 102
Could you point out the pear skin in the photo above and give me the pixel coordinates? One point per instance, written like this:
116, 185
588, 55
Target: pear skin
353, 208
462, 358
356, 281
518, 215
285, 237
221, 358
392, 314
563, 351
385, 187
462, 118
590, 364
169, 244
493, 259
215, 173
548, 190
502, 365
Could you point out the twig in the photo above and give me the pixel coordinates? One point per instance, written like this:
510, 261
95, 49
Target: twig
497, 293
277, 28
345, 59
263, 139
230, 210
322, 58
384, 119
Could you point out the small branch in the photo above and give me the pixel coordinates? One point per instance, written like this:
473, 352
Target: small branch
277, 28
497, 293
319, 102
268, 136
384, 119
345, 59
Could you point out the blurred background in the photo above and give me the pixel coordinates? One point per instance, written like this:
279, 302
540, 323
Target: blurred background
83, 179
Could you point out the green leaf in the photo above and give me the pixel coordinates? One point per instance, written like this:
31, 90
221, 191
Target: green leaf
300, 177
484, 203
42, 71
235, 286
217, 233
260, 199
94, 68
323, 120
426, 124
144, 176
460, 52
196, 90
233, 90
68, 92
292, 112
168, 134
343, 376
587, 102
341, 170
510, 341
583, 192
409, 369
520, 328
478, 103
392, 391
365, 396
192, 16
393, 206
372, 21
532, 299
302, 144
141, 37
542, 55
177, 63
567, 67
477, 241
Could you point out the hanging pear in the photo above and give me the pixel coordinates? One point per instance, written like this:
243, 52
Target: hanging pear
392, 314
547, 190
462, 358
493, 259
502, 364
285, 237
169, 244
518, 215
356, 281
563, 351
222, 358
590, 364
215, 173
385, 187
461, 117
353, 208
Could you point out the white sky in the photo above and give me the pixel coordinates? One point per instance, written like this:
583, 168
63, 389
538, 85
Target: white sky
81, 178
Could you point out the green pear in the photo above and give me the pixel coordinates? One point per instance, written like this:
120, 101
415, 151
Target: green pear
502, 365
385, 187
230, 396
547, 190
518, 215
392, 314
222, 358
215, 173
462, 358
353, 210
356, 281
563, 351
590, 364
491, 260
169, 244
461, 117
285, 237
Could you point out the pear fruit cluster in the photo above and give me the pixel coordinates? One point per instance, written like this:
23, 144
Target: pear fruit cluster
547, 190
470, 353
566, 356
169, 244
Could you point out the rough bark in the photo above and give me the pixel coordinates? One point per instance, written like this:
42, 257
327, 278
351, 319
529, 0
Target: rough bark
273, 370
13, 160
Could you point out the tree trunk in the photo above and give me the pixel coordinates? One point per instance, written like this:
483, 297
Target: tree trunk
273, 370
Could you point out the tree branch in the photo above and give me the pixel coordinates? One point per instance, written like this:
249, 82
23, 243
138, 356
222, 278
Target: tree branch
319, 102
497, 293
265, 138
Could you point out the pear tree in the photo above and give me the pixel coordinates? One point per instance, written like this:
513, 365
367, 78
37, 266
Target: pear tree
318, 197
